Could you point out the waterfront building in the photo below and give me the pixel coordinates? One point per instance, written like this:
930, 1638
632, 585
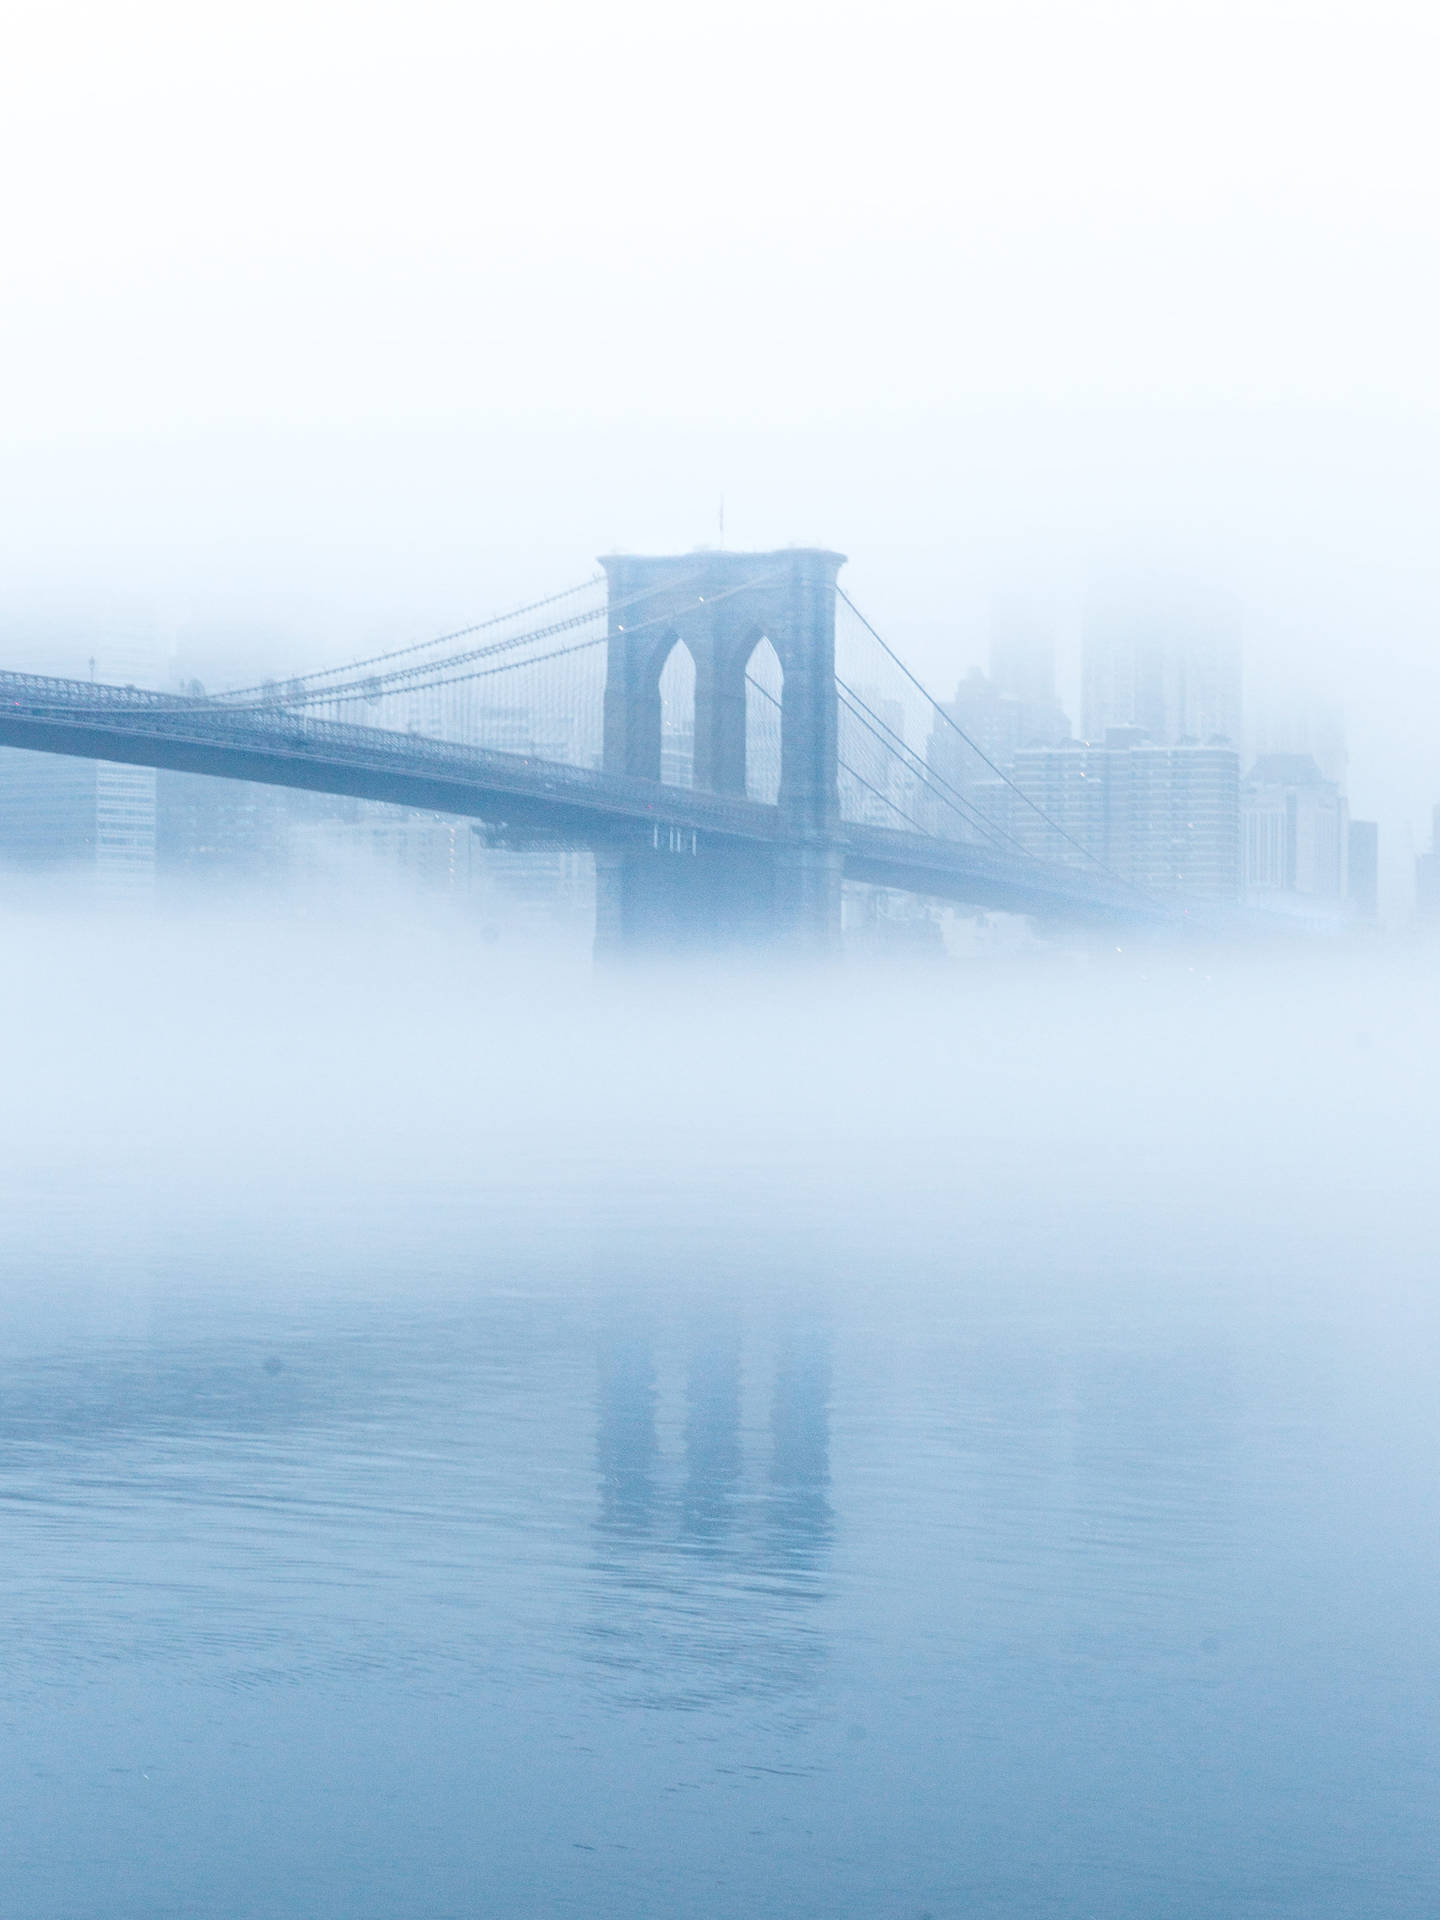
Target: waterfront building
1427, 879
92, 821
1362, 863
1295, 832
1165, 819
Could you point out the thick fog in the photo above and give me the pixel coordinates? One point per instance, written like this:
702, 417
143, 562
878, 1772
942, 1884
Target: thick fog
1071, 1122
944, 1428
323, 325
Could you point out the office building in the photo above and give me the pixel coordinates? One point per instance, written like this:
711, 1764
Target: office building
977, 735
1295, 831
1168, 666
1163, 819
1427, 880
1022, 670
1362, 863
91, 821
1290, 721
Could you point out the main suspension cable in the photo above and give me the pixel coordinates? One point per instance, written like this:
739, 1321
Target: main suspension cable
440, 640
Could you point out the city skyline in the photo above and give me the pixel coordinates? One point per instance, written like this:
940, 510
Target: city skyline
1167, 786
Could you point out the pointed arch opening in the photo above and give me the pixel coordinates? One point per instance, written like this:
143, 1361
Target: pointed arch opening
677, 717
764, 689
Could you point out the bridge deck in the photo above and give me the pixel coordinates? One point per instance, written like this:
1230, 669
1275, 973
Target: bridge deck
268, 744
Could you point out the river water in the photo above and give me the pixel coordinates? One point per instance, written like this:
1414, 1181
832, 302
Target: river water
919, 1446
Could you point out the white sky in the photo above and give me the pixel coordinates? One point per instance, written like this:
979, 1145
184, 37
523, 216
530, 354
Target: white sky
319, 321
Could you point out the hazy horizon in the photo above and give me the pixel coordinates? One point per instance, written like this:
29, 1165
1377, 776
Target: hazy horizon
322, 326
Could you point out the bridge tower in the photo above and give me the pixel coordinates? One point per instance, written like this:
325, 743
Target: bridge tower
720, 606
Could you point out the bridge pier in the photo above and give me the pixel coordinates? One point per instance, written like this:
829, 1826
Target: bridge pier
696, 898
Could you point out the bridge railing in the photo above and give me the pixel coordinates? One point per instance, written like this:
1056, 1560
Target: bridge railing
271, 728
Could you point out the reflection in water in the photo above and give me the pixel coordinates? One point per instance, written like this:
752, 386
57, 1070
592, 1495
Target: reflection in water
477, 1596
712, 1434
799, 1517
627, 1448
714, 1518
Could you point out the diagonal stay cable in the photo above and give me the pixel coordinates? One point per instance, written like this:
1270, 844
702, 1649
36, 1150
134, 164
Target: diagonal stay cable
939, 786
952, 723
845, 765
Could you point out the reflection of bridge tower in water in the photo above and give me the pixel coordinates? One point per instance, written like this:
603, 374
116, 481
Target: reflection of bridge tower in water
713, 1461
678, 889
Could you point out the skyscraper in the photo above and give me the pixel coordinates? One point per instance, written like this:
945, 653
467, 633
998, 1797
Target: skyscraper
94, 818
993, 716
1427, 879
1362, 862
1162, 819
1295, 825
1168, 665
1022, 668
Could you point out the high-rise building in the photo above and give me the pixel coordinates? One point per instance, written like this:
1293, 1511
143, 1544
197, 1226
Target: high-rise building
877, 784
976, 736
1362, 861
1427, 879
94, 820
1295, 722
978, 730
47, 810
224, 829
1022, 668
1295, 831
1022, 653
1168, 666
1161, 819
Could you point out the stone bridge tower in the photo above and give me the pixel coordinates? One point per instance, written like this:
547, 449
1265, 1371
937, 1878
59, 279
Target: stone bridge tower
720, 606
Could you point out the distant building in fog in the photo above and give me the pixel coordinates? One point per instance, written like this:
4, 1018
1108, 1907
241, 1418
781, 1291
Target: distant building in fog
1295, 722
1427, 879
979, 726
1362, 861
976, 736
1022, 668
1164, 819
210, 829
89, 819
1296, 832
92, 820
877, 785
1168, 666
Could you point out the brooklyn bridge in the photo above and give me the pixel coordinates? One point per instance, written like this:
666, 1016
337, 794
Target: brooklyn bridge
798, 764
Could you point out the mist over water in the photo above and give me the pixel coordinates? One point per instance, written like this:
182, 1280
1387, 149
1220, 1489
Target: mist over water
947, 1436
484, 1436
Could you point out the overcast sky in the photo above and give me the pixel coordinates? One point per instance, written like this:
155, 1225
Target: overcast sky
324, 321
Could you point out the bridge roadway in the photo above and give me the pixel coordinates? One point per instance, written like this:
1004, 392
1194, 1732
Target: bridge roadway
515, 796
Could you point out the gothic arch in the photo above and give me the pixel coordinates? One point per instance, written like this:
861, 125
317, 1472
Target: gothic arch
675, 672
764, 703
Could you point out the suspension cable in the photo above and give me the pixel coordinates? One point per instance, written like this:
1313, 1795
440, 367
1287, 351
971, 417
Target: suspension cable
844, 764
403, 679
440, 640
955, 726
958, 803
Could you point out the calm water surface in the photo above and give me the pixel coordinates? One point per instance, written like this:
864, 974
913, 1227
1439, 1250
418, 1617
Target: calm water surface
366, 1558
